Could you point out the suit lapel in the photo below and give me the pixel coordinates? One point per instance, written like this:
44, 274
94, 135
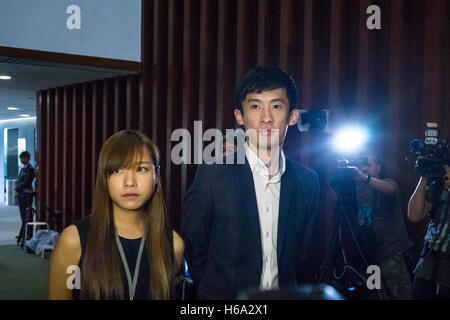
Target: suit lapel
287, 186
22, 171
246, 192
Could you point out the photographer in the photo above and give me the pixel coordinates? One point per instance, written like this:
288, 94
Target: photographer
432, 273
380, 214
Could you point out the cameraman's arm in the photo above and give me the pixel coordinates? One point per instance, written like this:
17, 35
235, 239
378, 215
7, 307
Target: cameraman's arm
386, 186
417, 206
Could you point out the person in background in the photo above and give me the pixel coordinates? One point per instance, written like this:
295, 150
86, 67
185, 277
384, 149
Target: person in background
381, 215
432, 273
24, 190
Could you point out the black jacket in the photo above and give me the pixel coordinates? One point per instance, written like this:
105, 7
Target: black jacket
25, 180
222, 233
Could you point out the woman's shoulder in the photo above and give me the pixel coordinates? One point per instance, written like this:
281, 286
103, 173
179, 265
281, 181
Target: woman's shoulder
70, 238
178, 246
74, 236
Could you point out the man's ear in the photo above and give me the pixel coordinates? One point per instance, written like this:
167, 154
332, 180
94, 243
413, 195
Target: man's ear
293, 117
238, 116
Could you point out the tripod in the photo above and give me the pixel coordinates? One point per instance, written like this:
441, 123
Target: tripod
345, 214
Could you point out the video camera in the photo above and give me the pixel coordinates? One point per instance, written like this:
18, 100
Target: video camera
353, 162
431, 154
344, 174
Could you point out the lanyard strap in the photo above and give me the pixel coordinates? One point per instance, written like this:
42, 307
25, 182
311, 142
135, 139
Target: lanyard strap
131, 282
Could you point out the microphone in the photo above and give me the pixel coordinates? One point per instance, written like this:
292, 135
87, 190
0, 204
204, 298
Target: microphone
416, 145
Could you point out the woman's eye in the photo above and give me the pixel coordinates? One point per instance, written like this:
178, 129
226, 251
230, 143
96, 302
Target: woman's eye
117, 171
142, 169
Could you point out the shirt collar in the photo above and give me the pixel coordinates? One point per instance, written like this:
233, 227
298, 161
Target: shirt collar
257, 165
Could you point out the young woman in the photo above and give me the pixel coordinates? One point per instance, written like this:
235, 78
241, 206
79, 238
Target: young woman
124, 248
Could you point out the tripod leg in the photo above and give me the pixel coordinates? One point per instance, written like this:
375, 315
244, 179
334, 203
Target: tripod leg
330, 253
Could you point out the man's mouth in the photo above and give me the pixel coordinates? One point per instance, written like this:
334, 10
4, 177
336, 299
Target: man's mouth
266, 132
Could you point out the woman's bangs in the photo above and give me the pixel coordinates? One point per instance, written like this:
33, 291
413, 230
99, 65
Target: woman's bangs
124, 155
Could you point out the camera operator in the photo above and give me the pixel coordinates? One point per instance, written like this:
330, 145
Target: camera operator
381, 217
432, 273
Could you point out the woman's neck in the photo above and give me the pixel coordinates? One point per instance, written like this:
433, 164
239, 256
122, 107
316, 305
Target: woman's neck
129, 224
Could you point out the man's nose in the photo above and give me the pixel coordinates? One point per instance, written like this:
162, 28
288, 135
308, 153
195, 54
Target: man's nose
266, 117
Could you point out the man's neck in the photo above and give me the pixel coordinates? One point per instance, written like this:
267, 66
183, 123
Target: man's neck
270, 158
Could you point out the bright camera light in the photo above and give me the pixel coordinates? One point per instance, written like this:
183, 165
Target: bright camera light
5, 77
350, 139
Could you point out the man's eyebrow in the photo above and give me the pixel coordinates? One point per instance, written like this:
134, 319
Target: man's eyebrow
273, 100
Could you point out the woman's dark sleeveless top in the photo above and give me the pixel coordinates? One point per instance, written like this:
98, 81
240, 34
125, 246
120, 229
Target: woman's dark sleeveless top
130, 248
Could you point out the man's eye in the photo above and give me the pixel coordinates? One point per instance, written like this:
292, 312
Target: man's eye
254, 107
277, 106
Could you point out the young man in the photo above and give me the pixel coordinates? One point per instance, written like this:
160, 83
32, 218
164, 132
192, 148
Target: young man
380, 212
247, 225
24, 189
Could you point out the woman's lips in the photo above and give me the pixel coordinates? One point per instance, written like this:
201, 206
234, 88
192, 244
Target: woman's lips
130, 195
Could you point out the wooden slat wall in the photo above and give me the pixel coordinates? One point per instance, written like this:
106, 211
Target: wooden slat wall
373, 77
193, 52
73, 122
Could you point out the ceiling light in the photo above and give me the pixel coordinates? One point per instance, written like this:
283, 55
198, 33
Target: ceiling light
13, 108
24, 115
5, 77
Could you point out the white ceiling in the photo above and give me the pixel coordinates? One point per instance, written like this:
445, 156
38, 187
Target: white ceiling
30, 76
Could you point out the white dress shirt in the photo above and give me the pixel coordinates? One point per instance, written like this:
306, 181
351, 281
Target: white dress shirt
268, 200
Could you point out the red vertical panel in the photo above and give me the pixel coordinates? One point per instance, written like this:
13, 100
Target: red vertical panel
289, 34
247, 36
308, 55
50, 163
364, 63
86, 148
41, 175
268, 32
58, 143
290, 61
108, 109
119, 103
226, 58
145, 81
191, 33
132, 102
434, 57
97, 122
174, 110
208, 63
76, 187
68, 215
159, 71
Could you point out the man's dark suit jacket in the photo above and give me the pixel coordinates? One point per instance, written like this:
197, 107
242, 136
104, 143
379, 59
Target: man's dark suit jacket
222, 233
25, 180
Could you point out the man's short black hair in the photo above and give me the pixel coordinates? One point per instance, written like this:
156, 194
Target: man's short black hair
25, 154
265, 78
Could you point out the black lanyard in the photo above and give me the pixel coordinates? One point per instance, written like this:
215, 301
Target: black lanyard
131, 282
